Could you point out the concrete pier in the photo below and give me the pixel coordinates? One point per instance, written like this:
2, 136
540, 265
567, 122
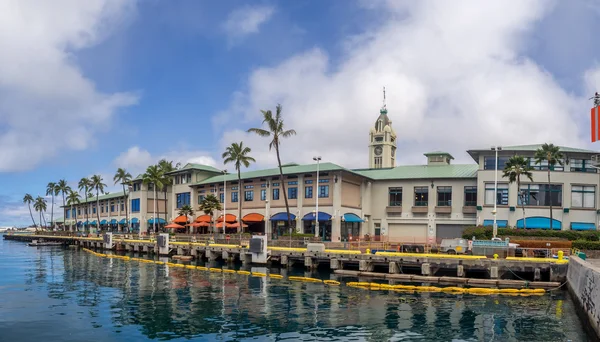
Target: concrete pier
584, 284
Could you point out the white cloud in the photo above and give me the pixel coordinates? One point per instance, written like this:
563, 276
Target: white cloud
46, 103
136, 159
456, 79
246, 20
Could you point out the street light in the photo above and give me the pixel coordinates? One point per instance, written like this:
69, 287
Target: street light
318, 160
495, 226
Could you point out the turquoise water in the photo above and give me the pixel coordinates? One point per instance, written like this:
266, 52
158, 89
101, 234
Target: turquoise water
55, 294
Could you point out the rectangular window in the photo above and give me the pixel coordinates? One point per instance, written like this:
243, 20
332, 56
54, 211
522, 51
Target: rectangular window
275, 194
378, 162
308, 192
444, 196
489, 162
293, 183
122, 206
248, 186
501, 195
263, 195
101, 209
292, 193
470, 196
136, 187
395, 196
183, 198
543, 165
200, 198
263, 185
421, 196
249, 196
234, 188
323, 191
308, 181
275, 184
234, 196
323, 180
135, 205
67, 213
541, 195
582, 165
583, 196
222, 197
112, 208
189, 177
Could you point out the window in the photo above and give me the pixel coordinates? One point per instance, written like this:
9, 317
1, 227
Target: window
421, 196
135, 205
378, 162
94, 210
323, 180
102, 209
582, 165
323, 191
293, 183
583, 196
470, 196
308, 181
222, 197
308, 192
275, 184
112, 208
200, 198
543, 165
136, 186
234, 196
249, 196
183, 199
444, 196
234, 188
541, 195
395, 197
248, 186
78, 211
186, 178
263, 185
275, 194
292, 193
501, 194
67, 213
263, 195
489, 162
122, 206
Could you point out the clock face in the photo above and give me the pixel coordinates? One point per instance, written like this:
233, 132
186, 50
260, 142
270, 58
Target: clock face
378, 150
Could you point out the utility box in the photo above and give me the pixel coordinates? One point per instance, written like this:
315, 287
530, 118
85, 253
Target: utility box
258, 249
162, 241
107, 238
315, 248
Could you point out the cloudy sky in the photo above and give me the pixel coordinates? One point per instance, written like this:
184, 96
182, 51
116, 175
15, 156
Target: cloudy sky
89, 86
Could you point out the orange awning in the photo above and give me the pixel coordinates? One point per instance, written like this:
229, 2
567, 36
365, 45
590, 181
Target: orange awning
174, 226
181, 219
229, 218
199, 224
252, 218
227, 225
204, 218
236, 225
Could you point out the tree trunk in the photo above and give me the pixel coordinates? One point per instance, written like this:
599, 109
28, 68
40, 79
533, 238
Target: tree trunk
126, 200
550, 193
72, 218
40, 219
52, 210
86, 227
98, 210
287, 207
154, 223
166, 202
522, 201
64, 223
31, 214
240, 229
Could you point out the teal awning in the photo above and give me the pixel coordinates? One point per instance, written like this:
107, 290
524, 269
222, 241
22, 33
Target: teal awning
123, 221
583, 226
113, 221
500, 223
282, 217
539, 222
158, 220
350, 217
135, 220
103, 222
93, 223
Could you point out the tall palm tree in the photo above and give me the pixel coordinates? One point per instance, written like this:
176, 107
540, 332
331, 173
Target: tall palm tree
96, 184
516, 167
275, 130
51, 191
63, 188
186, 210
238, 155
166, 167
84, 186
72, 199
123, 177
209, 205
40, 205
29, 199
154, 176
551, 154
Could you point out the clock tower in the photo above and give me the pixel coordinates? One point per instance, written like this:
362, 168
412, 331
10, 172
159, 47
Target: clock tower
382, 143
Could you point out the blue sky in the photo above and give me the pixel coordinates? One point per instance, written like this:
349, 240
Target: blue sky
96, 85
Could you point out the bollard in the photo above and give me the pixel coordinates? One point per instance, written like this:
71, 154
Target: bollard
495, 256
561, 255
368, 251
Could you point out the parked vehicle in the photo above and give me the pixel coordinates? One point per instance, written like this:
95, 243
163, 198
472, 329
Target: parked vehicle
455, 246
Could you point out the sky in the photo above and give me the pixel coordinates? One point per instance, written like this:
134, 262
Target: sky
90, 86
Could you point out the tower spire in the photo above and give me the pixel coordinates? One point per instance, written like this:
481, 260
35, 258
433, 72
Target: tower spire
383, 97
383, 107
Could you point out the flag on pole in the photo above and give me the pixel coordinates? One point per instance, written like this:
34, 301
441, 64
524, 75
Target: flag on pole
595, 123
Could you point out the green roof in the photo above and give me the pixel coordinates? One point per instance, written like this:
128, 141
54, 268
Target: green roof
422, 172
287, 170
438, 153
528, 148
100, 198
192, 166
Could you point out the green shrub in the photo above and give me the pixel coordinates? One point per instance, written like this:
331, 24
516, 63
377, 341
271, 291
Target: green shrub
485, 233
298, 235
589, 245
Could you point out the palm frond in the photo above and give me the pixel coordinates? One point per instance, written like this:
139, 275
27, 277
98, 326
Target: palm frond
259, 131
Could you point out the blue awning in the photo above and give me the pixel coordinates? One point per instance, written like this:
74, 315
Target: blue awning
349, 217
158, 220
500, 223
123, 221
582, 226
282, 217
93, 223
540, 222
102, 222
79, 223
135, 220
113, 221
322, 217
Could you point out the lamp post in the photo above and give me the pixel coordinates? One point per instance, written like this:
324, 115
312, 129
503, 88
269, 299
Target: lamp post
494, 212
318, 160
128, 211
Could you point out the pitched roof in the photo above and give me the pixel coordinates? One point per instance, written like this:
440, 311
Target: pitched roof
422, 172
192, 166
529, 148
288, 169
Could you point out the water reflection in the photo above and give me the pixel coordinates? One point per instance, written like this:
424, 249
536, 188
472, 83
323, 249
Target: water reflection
133, 301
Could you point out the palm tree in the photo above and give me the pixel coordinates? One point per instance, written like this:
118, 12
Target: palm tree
96, 184
29, 199
186, 210
123, 177
40, 205
238, 154
155, 177
516, 167
276, 132
84, 185
209, 205
166, 167
552, 155
72, 199
51, 191
63, 188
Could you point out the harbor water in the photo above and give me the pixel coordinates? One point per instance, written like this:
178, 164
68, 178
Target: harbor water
58, 294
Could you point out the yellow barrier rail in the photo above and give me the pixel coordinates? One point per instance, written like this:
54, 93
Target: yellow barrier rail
429, 255
548, 260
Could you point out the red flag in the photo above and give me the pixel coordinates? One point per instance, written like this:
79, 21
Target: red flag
595, 124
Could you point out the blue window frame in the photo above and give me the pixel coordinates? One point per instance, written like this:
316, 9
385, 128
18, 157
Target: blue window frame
222, 197
275, 194
135, 205
489, 162
308, 192
263, 195
122, 206
94, 210
234, 196
249, 196
293, 183
112, 208
582, 165
292, 193
323, 191
183, 199
67, 213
